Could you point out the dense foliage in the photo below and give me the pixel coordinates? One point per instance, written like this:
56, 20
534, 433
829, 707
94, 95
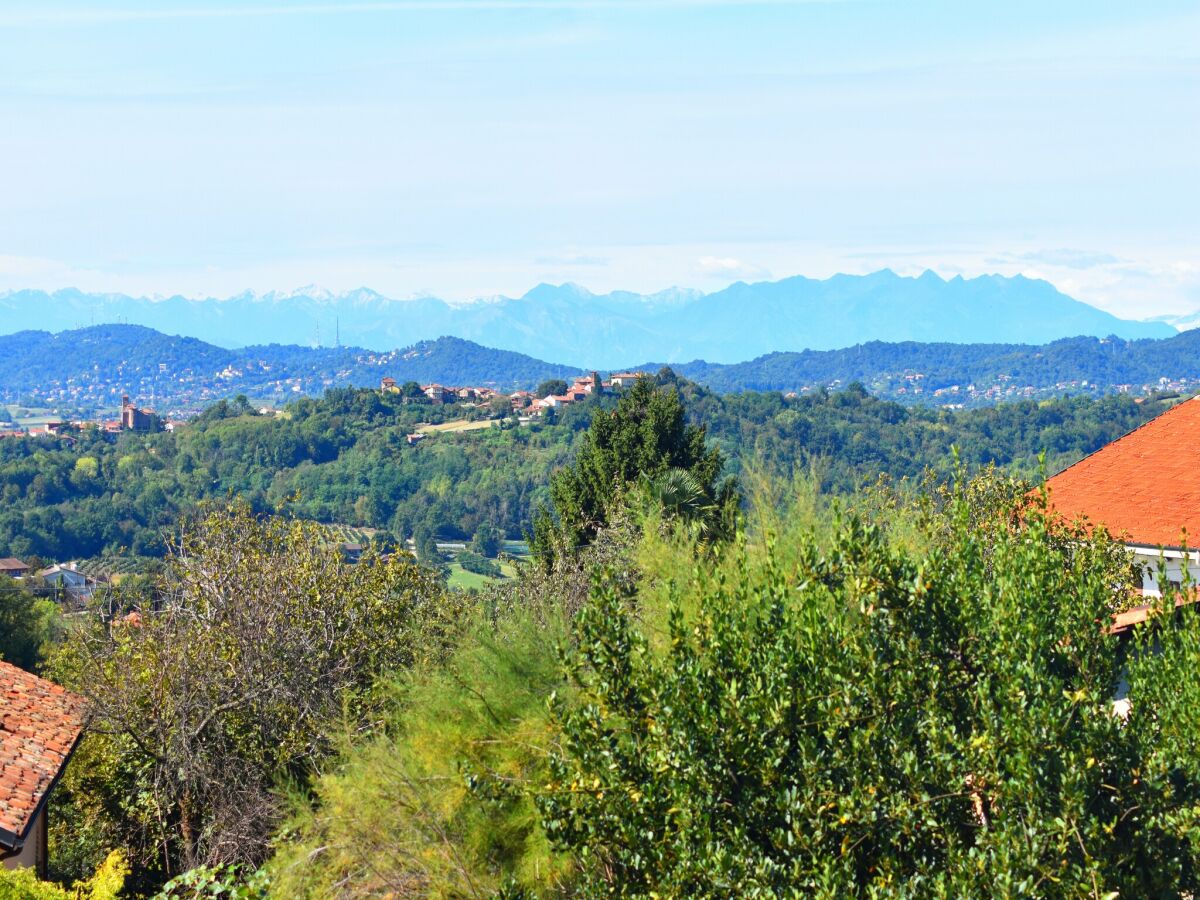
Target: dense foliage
917, 707
260, 642
863, 718
643, 439
28, 625
438, 802
345, 459
895, 691
106, 883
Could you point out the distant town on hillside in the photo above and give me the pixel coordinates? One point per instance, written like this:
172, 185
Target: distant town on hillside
85, 372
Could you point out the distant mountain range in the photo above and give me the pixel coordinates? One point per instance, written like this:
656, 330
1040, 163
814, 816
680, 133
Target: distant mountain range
91, 368
570, 325
1180, 323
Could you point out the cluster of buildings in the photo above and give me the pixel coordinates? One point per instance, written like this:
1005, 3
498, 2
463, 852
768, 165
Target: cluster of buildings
522, 402
132, 418
583, 388
440, 395
184, 387
1006, 388
66, 582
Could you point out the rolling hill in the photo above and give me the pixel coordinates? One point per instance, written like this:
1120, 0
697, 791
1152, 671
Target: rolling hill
93, 367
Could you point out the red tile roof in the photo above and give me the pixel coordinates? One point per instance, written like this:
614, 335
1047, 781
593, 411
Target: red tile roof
40, 723
1142, 487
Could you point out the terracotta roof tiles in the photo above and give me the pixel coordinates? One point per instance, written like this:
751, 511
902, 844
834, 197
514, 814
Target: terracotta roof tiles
1142, 487
40, 723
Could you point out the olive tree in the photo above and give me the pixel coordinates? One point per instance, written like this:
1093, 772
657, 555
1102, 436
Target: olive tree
261, 643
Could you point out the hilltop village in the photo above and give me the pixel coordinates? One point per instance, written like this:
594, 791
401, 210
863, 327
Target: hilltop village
522, 403
526, 402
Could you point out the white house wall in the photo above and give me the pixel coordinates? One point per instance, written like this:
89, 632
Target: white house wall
1149, 560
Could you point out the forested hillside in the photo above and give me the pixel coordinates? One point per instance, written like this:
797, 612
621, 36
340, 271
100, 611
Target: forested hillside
346, 458
91, 368
980, 373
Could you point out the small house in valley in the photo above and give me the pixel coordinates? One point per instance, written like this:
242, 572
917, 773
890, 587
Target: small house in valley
68, 582
40, 726
13, 568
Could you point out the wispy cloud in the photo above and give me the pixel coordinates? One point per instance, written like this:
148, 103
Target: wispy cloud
76, 17
728, 267
1070, 259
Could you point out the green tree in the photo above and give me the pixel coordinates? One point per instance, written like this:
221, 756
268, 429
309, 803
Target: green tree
260, 644
499, 407
480, 565
847, 717
426, 546
28, 625
551, 387
440, 802
643, 438
487, 540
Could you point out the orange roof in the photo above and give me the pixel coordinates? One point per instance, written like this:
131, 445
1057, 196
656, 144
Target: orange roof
40, 723
1141, 487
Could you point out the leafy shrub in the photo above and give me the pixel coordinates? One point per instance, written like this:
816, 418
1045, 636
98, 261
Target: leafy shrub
105, 884
852, 717
480, 565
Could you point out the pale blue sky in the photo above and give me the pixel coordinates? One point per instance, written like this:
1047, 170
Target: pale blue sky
473, 148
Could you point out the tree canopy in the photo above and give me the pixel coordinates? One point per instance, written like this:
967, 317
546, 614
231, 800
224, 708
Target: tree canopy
642, 438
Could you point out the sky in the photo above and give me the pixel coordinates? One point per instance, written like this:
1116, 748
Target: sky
471, 148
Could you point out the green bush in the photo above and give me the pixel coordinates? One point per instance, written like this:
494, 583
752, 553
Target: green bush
106, 884
480, 565
846, 717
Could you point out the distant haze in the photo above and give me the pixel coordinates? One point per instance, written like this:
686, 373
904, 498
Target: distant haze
476, 147
567, 324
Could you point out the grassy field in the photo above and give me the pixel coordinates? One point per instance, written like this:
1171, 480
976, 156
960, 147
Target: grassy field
29, 417
459, 425
463, 580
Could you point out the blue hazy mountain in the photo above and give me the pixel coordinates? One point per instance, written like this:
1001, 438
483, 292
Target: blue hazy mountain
94, 366
573, 326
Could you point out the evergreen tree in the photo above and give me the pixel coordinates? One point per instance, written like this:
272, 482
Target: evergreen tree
643, 438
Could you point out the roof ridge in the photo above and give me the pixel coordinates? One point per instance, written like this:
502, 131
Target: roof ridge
1140, 486
1130, 432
